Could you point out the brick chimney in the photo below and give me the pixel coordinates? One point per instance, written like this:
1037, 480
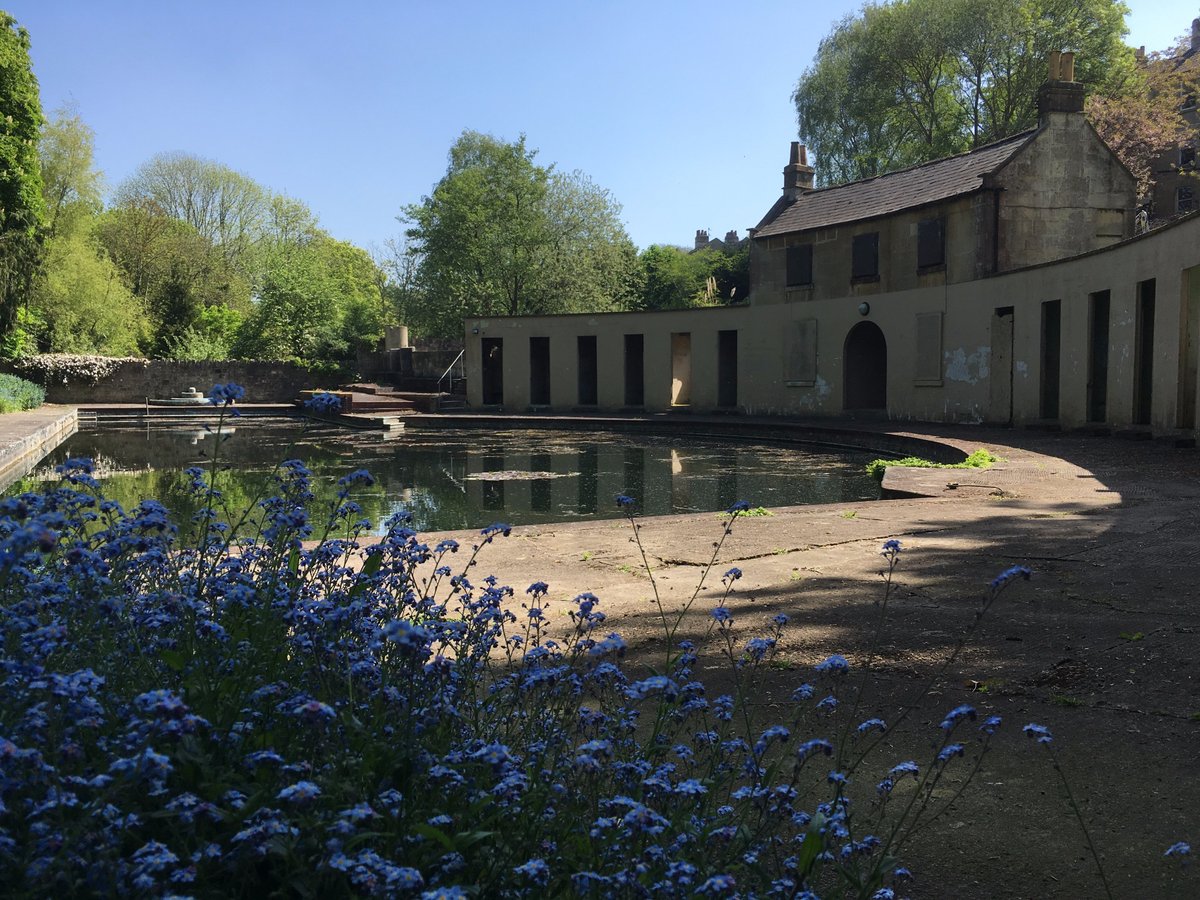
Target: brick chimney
1196, 34
701, 238
798, 174
1060, 93
731, 238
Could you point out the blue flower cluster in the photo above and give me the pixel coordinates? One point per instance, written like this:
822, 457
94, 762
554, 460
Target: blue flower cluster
339, 718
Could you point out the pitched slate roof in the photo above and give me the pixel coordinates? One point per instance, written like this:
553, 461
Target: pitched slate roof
895, 191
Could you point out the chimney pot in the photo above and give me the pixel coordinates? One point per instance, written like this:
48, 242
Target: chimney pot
1066, 68
798, 174
1196, 34
1060, 93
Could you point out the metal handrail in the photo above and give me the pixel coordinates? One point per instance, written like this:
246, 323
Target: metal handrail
450, 369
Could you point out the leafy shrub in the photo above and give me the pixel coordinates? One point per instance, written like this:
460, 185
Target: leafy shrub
17, 394
980, 459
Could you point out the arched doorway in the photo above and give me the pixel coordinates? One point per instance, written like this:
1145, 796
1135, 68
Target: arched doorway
864, 368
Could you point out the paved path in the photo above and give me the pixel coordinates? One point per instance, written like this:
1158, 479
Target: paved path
25, 437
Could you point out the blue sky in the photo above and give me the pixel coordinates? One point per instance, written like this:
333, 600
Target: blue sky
681, 110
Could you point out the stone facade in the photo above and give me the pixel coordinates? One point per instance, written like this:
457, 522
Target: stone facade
1065, 193
1110, 338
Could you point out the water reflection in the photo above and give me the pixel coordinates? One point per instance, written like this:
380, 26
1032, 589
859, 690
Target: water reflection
468, 479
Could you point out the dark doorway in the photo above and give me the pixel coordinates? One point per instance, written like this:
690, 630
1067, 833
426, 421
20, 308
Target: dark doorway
1097, 382
588, 371
1051, 353
1189, 348
727, 366
635, 371
864, 368
1000, 381
493, 371
1143, 359
539, 371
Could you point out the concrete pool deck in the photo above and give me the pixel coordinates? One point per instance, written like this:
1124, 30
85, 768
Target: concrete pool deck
1102, 644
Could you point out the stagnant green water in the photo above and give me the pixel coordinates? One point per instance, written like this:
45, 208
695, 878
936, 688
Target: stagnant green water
468, 478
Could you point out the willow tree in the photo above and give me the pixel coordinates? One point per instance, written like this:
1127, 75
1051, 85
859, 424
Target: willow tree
21, 206
906, 82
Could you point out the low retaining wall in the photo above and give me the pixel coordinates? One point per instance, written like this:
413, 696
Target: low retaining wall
26, 438
132, 381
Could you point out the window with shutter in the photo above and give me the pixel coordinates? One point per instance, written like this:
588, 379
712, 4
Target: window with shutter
931, 244
865, 258
799, 265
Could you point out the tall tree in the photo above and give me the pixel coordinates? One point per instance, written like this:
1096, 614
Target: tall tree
225, 207
71, 181
21, 204
78, 303
317, 300
502, 235
173, 270
913, 80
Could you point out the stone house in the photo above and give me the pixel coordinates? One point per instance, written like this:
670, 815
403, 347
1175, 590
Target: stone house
1002, 285
1054, 191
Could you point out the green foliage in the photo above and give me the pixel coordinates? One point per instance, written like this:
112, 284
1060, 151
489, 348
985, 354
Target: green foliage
210, 337
172, 269
501, 235
317, 301
17, 394
71, 185
980, 459
80, 302
755, 512
21, 206
227, 209
675, 278
909, 81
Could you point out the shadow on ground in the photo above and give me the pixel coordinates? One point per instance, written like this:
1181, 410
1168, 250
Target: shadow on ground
1100, 645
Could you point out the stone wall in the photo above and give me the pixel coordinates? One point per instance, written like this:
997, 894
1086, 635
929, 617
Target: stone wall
132, 381
384, 364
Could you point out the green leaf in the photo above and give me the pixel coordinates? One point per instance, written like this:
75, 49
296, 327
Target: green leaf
373, 564
465, 839
814, 842
435, 834
174, 659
